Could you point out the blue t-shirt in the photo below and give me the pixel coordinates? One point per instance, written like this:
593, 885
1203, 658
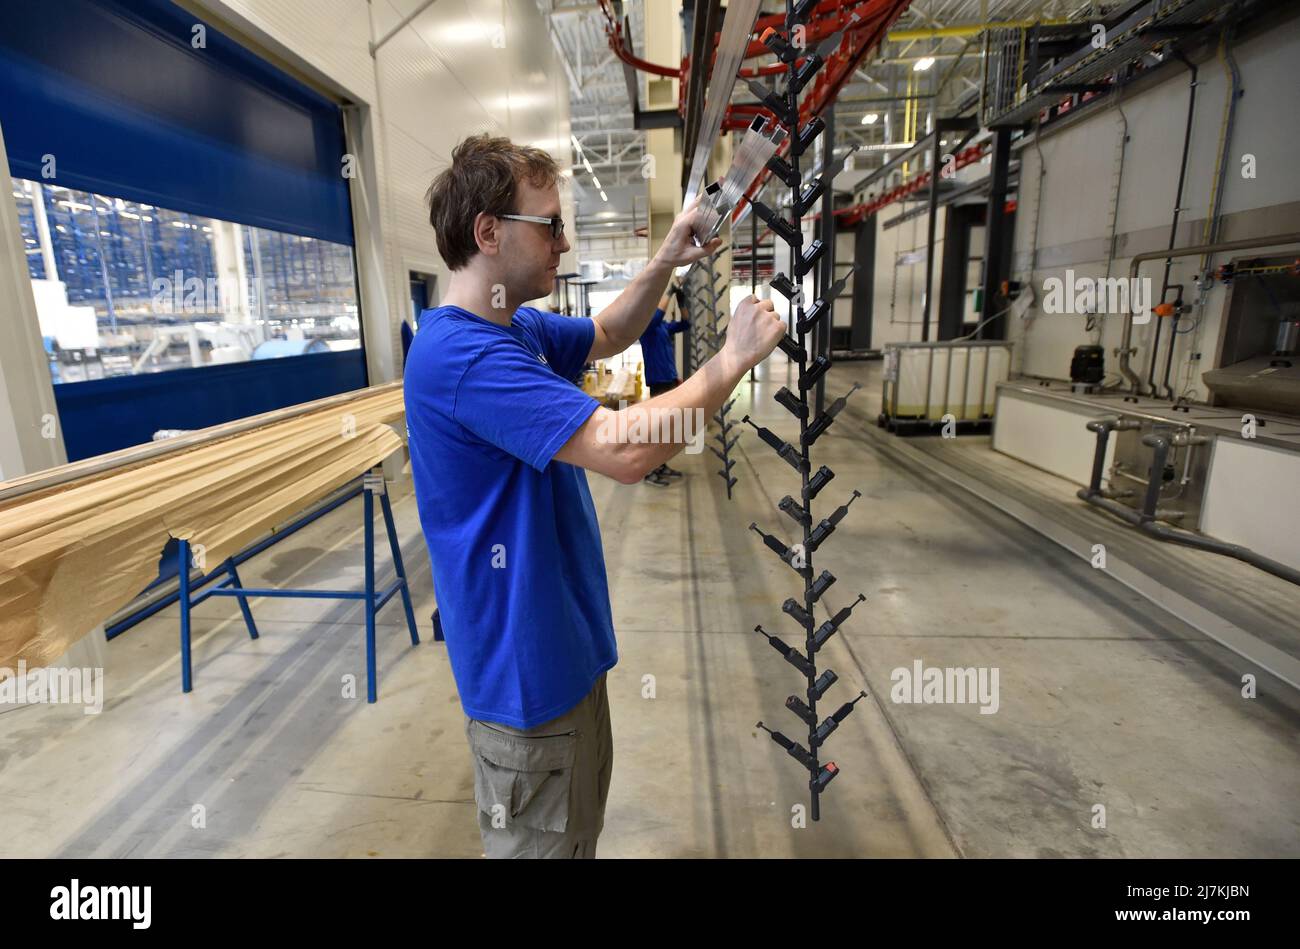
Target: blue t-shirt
657, 349
518, 566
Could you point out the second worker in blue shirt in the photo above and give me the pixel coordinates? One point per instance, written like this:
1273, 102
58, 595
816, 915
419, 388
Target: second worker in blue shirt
660, 358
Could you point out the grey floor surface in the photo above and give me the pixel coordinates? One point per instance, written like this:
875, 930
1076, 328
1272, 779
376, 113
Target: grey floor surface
1106, 704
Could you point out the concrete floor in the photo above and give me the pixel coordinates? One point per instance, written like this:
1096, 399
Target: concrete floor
1104, 698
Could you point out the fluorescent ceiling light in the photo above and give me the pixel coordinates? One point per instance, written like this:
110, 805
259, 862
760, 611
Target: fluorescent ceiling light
596, 182
604, 196
870, 118
924, 63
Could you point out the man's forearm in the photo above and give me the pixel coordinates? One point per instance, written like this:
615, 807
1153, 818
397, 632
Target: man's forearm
680, 413
626, 318
632, 441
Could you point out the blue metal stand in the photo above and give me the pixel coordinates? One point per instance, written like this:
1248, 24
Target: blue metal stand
374, 600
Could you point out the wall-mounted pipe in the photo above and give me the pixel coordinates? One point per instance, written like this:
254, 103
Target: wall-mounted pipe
1126, 340
1173, 225
1103, 427
1145, 520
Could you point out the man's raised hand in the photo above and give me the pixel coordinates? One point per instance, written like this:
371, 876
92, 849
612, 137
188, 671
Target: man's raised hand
678, 248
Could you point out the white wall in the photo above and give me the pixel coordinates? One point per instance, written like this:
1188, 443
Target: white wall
460, 67
898, 296
898, 292
1074, 214
1074, 210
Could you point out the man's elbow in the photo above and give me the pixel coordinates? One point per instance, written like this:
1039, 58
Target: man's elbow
628, 466
628, 476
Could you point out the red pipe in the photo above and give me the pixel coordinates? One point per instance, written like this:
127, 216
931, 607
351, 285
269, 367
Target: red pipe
857, 212
614, 30
833, 18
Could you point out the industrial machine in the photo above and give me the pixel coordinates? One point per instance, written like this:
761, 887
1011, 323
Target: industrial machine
1259, 344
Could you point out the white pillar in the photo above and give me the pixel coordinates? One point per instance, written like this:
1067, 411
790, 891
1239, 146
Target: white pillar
663, 44
379, 319
232, 275
30, 439
43, 234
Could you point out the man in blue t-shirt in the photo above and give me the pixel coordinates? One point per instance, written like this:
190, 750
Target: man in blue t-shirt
499, 440
660, 361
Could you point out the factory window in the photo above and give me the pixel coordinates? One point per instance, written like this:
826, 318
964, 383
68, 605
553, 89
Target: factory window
185, 205
124, 288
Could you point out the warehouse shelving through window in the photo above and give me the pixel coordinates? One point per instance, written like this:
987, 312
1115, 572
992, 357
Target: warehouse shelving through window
124, 288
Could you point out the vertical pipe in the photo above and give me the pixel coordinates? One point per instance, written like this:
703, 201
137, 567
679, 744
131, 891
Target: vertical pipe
1099, 458
994, 229
1159, 454
369, 504
929, 380
1173, 225
183, 576
936, 158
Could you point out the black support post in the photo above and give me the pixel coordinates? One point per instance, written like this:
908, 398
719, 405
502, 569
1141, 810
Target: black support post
995, 243
936, 165
808, 351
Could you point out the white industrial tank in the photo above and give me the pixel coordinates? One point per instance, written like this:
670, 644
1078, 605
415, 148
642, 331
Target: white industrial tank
931, 380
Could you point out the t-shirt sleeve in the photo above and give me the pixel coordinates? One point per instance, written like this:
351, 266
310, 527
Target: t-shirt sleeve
567, 341
512, 400
648, 334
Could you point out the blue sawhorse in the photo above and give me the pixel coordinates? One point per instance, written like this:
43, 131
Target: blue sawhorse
374, 599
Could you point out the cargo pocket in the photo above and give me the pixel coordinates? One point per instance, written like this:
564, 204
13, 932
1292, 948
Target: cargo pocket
523, 780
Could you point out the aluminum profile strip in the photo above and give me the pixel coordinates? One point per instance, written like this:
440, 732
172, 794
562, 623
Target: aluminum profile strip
751, 157
736, 30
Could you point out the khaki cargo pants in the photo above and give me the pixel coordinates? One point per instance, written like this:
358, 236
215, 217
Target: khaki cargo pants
541, 791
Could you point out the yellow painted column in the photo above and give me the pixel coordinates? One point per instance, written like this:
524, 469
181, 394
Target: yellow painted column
663, 44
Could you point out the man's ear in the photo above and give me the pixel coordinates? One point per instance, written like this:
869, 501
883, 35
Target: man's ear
487, 233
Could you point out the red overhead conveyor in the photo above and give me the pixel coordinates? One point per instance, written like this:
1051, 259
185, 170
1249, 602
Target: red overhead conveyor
875, 17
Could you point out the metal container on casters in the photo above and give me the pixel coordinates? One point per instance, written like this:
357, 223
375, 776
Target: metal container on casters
931, 380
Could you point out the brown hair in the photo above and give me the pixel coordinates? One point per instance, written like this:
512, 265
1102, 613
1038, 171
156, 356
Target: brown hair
482, 178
